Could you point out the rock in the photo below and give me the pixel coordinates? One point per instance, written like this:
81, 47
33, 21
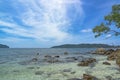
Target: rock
106, 63
67, 70
73, 72
83, 63
100, 51
16, 71
115, 54
90, 60
51, 59
118, 57
118, 61
47, 56
65, 53
39, 73
109, 78
74, 79
71, 59
108, 52
30, 68
56, 56
34, 59
111, 56
38, 54
89, 77
87, 62
24, 62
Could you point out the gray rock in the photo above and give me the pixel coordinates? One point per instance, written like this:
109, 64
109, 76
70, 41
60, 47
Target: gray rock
39, 72
67, 70
74, 79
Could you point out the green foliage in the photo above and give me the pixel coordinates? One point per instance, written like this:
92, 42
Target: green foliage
101, 29
112, 19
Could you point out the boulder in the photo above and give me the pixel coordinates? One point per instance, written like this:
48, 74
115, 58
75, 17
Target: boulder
34, 59
111, 56
108, 52
66, 53
74, 79
114, 55
87, 62
47, 56
83, 63
100, 51
89, 77
72, 58
118, 57
106, 63
67, 70
39, 72
57, 56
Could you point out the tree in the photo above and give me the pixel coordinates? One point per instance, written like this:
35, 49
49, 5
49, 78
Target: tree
111, 20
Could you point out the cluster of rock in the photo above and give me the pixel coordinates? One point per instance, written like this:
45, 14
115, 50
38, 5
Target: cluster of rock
87, 62
111, 54
85, 77
51, 59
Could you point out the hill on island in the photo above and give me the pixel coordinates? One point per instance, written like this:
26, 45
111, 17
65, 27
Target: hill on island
3, 46
85, 46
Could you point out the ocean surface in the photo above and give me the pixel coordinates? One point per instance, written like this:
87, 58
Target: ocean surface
21, 64
19, 54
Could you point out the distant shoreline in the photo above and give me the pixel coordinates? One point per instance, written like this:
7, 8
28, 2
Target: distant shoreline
85, 46
3, 46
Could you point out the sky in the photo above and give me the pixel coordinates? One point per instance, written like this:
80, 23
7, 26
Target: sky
46, 23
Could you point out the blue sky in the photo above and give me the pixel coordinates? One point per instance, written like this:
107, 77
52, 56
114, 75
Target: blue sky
45, 23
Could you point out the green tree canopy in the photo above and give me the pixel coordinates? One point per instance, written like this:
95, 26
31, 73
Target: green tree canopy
112, 19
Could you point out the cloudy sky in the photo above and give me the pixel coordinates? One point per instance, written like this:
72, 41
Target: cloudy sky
44, 23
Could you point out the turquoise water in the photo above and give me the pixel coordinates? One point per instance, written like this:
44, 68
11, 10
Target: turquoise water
18, 64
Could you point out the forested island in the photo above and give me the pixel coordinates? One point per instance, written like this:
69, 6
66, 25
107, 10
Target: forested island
3, 46
85, 46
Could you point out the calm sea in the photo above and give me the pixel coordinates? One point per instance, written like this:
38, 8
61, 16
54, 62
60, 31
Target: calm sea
19, 54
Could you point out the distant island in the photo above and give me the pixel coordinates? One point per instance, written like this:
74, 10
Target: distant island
3, 46
85, 46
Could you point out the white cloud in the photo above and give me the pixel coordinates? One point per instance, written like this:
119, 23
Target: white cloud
43, 19
108, 36
86, 30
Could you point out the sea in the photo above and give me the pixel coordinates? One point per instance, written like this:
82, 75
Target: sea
21, 64
19, 54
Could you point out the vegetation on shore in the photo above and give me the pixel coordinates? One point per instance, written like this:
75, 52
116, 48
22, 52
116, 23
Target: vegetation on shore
111, 25
3, 46
85, 46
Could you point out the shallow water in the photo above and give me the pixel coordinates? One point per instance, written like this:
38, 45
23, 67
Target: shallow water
15, 65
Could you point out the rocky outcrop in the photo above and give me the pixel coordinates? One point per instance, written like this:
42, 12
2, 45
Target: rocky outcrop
100, 51
111, 55
108, 52
118, 57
